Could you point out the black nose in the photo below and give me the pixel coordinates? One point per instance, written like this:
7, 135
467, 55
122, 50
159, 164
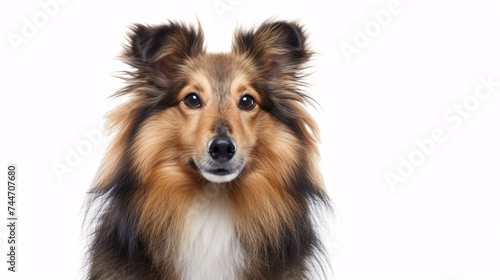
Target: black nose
221, 148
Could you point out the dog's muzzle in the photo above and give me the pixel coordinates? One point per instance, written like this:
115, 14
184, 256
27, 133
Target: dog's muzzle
221, 164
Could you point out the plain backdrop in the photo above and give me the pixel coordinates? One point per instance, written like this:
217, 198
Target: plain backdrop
386, 77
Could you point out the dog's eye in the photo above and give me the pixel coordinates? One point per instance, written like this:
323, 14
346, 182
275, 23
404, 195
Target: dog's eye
192, 100
247, 102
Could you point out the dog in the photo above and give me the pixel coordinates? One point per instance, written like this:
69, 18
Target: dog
212, 171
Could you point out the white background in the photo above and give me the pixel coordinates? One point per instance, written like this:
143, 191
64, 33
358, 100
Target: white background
442, 222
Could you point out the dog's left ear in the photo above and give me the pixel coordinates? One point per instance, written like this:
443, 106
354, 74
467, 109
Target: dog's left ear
278, 47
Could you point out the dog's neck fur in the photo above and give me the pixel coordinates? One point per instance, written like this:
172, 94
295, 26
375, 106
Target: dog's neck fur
209, 246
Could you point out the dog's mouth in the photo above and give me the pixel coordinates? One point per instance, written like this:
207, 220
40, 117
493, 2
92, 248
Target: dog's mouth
217, 172
220, 171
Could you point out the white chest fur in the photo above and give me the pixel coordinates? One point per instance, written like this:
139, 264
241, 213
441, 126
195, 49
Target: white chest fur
209, 248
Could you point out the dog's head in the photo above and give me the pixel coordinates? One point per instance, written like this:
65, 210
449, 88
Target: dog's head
217, 113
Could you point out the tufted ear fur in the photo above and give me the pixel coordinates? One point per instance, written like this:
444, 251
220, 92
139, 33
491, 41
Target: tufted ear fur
278, 47
162, 48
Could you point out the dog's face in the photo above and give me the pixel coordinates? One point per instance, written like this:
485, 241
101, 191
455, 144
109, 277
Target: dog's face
219, 112
216, 113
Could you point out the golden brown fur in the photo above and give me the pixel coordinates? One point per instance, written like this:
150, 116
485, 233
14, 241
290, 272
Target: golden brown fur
147, 177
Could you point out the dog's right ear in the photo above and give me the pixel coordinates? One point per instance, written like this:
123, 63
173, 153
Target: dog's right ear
162, 48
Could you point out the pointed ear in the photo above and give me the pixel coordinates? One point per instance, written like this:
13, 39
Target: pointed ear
162, 48
279, 47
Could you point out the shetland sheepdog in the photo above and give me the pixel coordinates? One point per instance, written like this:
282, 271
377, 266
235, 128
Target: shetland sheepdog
212, 172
